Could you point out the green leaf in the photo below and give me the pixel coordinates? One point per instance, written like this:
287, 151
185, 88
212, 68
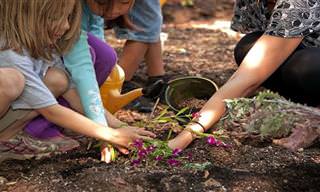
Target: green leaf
163, 121
163, 112
198, 166
182, 111
165, 118
181, 120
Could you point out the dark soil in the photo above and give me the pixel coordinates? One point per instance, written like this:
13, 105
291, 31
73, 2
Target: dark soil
249, 165
192, 103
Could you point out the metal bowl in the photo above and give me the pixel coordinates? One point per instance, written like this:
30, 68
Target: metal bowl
188, 87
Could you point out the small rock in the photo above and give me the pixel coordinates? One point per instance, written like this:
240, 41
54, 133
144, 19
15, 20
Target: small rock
206, 174
55, 180
11, 183
212, 183
3, 180
237, 142
182, 51
300, 150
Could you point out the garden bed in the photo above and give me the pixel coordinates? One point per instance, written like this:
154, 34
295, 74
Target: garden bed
250, 164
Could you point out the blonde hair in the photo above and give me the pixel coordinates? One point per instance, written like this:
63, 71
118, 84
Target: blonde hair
28, 24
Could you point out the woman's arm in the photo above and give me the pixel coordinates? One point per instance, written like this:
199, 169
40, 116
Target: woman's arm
262, 60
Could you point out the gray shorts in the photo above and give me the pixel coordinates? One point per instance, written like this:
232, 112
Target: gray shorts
11, 117
145, 14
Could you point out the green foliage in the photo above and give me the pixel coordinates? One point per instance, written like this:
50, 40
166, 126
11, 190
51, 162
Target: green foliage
273, 125
161, 148
155, 152
165, 116
180, 116
198, 166
266, 114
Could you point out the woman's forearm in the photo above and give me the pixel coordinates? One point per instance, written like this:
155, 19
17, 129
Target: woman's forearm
262, 60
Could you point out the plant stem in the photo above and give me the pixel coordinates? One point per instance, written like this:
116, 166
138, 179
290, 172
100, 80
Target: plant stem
169, 134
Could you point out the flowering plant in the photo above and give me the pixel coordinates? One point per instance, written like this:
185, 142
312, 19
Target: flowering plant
155, 151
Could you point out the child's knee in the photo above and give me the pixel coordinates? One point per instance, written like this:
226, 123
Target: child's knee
57, 81
12, 83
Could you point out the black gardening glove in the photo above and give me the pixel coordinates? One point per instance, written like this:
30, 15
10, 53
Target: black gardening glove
154, 90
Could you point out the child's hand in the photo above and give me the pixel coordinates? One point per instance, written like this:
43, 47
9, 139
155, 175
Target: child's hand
122, 137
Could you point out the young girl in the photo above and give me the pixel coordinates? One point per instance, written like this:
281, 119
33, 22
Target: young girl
280, 51
142, 45
89, 62
35, 59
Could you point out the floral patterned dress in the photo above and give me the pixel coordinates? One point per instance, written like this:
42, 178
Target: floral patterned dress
288, 19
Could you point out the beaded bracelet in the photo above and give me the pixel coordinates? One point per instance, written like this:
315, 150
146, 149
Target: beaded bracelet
197, 122
194, 133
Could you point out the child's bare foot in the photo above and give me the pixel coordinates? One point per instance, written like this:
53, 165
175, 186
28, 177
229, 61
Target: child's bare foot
301, 137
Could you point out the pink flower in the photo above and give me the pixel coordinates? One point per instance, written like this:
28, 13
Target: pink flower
196, 115
151, 148
142, 153
138, 143
222, 144
135, 162
212, 141
158, 158
176, 152
189, 156
219, 144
